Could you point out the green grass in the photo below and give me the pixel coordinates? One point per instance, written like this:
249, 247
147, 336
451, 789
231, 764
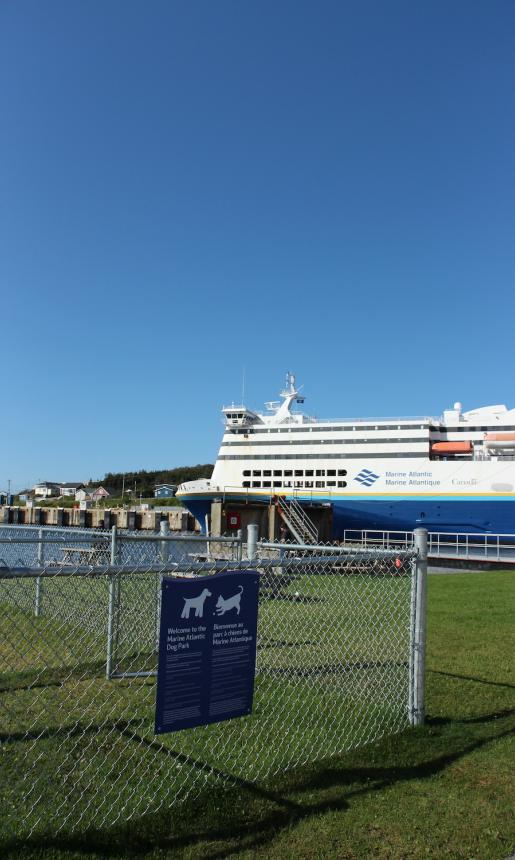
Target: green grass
443, 790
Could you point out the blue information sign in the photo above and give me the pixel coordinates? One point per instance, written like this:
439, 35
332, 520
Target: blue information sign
207, 649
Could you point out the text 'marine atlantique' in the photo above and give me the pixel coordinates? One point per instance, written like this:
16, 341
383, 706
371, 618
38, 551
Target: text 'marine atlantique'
207, 649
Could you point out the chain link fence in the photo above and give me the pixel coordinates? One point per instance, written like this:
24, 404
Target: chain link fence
339, 664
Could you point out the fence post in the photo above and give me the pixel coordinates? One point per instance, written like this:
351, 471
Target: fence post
252, 536
418, 629
41, 563
111, 607
208, 546
164, 529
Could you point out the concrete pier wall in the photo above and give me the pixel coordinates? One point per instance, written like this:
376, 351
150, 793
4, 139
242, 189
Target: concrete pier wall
179, 519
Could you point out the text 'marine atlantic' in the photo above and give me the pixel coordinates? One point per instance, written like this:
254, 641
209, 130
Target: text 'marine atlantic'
449, 473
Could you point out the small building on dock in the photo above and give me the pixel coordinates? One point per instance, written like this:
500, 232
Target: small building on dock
164, 491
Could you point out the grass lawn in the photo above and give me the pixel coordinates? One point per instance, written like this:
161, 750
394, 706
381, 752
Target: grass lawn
441, 791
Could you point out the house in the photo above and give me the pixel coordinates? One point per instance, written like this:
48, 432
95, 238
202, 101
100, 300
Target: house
83, 495
164, 491
91, 494
45, 489
70, 488
99, 493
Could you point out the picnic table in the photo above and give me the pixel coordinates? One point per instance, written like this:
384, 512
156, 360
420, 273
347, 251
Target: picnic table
96, 554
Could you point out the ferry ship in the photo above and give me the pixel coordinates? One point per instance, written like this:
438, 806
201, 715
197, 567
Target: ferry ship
455, 473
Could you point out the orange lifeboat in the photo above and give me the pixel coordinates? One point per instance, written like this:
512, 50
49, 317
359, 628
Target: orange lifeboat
443, 448
499, 440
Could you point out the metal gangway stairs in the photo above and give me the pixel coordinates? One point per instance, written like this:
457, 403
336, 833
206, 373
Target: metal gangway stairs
296, 519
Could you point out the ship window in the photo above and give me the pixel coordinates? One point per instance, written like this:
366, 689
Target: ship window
331, 483
256, 473
342, 472
267, 484
342, 483
246, 483
299, 473
309, 473
278, 473
256, 483
321, 473
288, 473
319, 483
277, 483
309, 483
246, 472
287, 484
298, 483
267, 473
331, 472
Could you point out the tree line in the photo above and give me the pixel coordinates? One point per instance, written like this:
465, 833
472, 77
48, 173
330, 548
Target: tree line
145, 481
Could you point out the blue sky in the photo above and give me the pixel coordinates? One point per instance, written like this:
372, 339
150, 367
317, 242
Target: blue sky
190, 189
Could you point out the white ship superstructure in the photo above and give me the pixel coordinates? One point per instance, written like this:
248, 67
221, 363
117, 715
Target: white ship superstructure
453, 473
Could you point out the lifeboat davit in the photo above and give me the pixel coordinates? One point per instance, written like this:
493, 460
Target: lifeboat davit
442, 449
500, 440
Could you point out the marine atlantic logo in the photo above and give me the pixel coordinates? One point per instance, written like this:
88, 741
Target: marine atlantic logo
366, 477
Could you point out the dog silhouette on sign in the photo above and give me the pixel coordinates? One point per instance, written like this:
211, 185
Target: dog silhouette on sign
196, 603
223, 605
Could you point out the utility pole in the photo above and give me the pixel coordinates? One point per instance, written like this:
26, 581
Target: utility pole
123, 488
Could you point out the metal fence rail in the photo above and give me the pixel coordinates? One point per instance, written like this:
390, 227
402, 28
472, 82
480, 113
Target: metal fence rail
340, 663
445, 545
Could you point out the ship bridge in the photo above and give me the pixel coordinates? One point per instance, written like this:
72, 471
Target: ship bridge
239, 416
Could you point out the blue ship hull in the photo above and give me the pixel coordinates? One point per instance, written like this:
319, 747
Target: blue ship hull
459, 514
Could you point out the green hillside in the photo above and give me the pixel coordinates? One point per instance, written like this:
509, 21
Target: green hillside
146, 481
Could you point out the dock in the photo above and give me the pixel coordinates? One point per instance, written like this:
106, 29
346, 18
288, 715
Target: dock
179, 519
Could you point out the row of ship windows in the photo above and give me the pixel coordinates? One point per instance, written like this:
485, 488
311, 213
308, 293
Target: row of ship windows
304, 429
326, 456
328, 429
296, 484
297, 473
469, 429
311, 442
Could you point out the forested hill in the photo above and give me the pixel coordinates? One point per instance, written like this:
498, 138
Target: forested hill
146, 481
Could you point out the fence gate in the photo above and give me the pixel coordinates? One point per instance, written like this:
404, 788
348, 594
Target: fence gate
340, 663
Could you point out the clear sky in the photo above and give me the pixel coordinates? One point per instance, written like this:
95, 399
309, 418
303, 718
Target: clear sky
189, 189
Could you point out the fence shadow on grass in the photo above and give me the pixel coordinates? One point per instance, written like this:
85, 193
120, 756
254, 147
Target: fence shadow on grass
472, 678
37, 679
247, 816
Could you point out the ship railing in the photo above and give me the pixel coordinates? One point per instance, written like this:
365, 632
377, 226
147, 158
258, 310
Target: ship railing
459, 545
383, 419
303, 496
